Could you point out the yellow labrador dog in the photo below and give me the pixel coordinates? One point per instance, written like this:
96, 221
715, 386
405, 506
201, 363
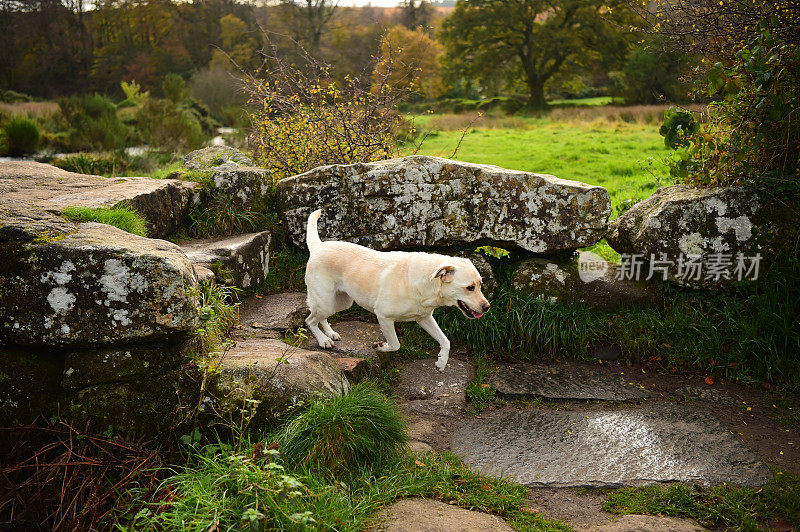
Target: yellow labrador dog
395, 286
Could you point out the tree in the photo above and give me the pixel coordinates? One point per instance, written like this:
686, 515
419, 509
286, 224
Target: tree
310, 18
415, 13
237, 47
410, 59
533, 39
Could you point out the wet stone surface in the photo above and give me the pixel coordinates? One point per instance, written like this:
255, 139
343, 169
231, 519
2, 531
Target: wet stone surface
426, 390
531, 380
656, 443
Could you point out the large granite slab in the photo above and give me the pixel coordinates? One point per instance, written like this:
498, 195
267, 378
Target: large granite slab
651, 444
533, 380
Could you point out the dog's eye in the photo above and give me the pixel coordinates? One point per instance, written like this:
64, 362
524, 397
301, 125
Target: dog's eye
471, 288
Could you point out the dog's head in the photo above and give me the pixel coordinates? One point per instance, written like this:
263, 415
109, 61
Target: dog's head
461, 286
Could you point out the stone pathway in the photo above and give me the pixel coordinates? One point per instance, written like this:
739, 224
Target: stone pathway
517, 381
426, 390
421, 515
662, 442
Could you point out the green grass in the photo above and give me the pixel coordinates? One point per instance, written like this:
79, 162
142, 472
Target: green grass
121, 217
219, 312
479, 393
741, 508
625, 158
582, 102
228, 491
359, 429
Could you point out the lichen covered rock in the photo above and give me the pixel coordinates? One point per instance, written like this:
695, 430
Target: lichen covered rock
560, 280
430, 202
712, 224
273, 377
234, 179
240, 260
97, 286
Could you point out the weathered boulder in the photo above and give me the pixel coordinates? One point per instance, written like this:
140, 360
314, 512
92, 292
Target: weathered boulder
96, 286
29, 383
570, 280
421, 201
240, 260
213, 156
680, 221
234, 179
32, 195
275, 375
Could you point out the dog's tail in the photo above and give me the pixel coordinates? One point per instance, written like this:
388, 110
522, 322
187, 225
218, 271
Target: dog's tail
312, 235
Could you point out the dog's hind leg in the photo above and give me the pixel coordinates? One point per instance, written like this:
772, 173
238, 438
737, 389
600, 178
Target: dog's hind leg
342, 302
432, 328
321, 303
387, 327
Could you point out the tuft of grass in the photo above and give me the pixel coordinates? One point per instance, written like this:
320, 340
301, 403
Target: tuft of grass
362, 428
479, 393
22, 136
221, 218
721, 505
121, 217
219, 312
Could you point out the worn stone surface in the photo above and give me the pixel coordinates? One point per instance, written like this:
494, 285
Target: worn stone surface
646, 523
532, 380
32, 194
422, 515
276, 374
427, 390
358, 338
244, 187
92, 366
239, 260
213, 156
683, 220
97, 286
560, 281
282, 311
703, 393
421, 201
655, 443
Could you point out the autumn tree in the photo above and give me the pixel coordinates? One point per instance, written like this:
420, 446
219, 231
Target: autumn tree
310, 18
238, 46
410, 58
415, 13
531, 39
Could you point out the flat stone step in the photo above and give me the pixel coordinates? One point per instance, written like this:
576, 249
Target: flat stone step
239, 260
426, 390
282, 311
663, 442
422, 515
357, 341
646, 523
533, 380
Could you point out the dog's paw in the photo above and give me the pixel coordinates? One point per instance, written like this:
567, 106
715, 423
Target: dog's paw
378, 345
441, 365
335, 336
326, 343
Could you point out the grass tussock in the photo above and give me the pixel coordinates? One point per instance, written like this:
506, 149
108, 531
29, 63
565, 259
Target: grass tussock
362, 428
30, 109
219, 312
120, 217
739, 507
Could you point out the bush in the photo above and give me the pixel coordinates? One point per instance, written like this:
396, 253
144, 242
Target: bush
361, 428
169, 126
94, 124
22, 136
120, 217
174, 88
221, 92
92, 163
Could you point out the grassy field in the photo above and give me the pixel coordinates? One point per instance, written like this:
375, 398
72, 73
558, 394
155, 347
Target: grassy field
627, 158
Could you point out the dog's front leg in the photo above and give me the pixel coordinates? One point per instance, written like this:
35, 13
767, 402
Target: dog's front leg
387, 327
432, 328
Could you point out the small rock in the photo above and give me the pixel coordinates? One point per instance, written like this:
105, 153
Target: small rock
530, 380
419, 447
421, 515
240, 260
213, 156
429, 391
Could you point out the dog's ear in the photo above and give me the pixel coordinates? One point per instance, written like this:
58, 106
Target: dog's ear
445, 272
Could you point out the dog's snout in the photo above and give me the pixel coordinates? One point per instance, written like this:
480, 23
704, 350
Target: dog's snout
485, 307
